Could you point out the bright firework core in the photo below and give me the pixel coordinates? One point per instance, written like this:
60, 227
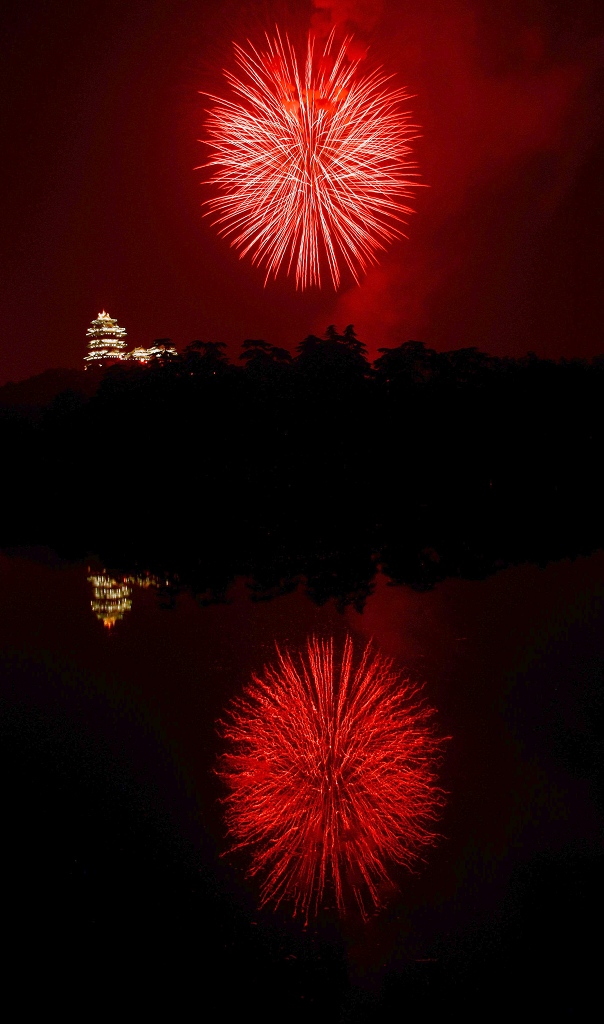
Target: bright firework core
311, 160
331, 771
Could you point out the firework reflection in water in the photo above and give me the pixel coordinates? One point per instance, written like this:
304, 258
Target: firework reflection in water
331, 772
311, 160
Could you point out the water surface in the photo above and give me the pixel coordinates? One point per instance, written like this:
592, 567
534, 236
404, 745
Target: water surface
114, 843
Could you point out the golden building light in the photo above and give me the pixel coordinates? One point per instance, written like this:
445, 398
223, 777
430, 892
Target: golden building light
147, 355
105, 341
111, 598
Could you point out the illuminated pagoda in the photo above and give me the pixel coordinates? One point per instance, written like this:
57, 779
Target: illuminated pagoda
105, 341
111, 598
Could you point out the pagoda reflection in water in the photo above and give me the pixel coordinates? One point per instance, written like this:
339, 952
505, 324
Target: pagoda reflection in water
112, 597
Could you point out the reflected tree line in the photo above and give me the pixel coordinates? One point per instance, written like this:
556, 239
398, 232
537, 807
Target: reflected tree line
313, 469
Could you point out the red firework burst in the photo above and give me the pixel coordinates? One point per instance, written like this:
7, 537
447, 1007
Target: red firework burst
331, 774
311, 160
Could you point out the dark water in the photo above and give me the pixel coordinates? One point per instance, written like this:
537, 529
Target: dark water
116, 890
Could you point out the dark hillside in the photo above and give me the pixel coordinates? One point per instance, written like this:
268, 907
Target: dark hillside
314, 468
39, 392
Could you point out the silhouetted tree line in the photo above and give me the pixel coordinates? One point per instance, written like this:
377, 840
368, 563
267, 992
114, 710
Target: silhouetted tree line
317, 467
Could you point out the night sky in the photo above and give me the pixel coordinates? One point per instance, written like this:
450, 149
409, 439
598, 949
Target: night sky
102, 206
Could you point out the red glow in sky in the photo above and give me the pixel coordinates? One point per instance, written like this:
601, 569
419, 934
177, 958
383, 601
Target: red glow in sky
102, 203
311, 159
331, 771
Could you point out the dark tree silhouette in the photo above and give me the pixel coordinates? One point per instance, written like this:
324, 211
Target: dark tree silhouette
336, 360
207, 358
408, 365
313, 467
264, 361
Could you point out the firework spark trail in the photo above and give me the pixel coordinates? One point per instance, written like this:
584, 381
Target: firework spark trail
311, 160
331, 772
